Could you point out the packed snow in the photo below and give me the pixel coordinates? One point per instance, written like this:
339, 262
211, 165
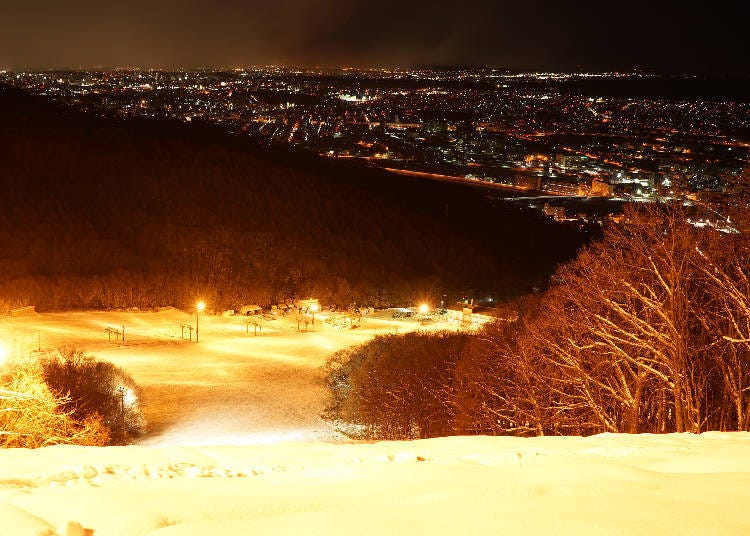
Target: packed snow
237, 447
608, 484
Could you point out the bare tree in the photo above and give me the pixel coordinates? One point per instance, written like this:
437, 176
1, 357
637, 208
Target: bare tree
32, 416
618, 329
498, 388
724, 314
647, 330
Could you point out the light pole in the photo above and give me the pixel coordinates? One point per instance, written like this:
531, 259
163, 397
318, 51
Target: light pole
313, 308
423, 310
198, 310
121, 391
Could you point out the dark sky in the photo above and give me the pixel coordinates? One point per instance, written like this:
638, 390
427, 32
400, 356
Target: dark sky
665, 36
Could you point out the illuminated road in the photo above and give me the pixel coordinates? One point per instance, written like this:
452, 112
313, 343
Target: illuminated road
507, 188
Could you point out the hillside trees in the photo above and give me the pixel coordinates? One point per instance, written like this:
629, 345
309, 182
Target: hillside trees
498, 386
620, 329
92, 389
396, 387
725, 316
647, 330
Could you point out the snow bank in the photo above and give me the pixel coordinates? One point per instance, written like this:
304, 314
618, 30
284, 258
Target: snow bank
613, 484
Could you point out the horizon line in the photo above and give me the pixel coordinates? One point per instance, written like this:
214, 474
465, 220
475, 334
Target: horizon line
435, 67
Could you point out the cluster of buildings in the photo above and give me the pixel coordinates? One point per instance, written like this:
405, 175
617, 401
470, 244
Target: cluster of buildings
534, 134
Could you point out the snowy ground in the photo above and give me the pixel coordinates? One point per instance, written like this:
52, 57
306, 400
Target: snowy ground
237, 448
610, 484
231, 388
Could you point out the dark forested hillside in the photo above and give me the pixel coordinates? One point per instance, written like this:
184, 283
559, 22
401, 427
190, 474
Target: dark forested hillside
102, 214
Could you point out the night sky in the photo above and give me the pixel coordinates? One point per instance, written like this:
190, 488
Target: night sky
526, 34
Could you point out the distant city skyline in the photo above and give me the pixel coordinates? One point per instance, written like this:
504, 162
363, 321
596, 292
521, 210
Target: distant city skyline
533, 35
566, 138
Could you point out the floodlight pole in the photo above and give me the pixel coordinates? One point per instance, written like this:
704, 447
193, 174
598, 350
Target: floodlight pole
198, 308
121, 392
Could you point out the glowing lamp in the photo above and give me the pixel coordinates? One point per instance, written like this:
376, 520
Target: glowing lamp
423, 308
129, 397
198, 310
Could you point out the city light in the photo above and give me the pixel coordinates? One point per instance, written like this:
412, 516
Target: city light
423, 308
612, 148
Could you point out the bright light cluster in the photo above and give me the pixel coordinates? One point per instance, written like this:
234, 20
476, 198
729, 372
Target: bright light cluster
129, 397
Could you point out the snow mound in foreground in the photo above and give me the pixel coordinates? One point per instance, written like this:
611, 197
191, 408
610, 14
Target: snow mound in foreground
22, 523
614, 484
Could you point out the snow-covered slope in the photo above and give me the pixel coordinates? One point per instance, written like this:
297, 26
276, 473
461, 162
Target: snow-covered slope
258, 393
231, 388
608, 484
